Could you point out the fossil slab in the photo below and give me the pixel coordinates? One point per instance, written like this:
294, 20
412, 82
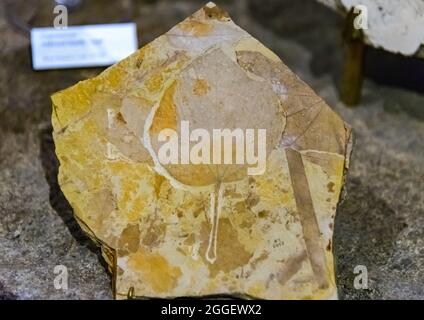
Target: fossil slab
171, 230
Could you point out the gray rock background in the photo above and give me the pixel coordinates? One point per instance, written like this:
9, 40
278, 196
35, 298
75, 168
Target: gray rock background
379, 224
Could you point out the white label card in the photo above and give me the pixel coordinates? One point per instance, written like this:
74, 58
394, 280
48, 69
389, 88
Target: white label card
82, 46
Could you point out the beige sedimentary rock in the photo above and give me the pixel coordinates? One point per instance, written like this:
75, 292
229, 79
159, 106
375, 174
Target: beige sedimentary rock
169, 230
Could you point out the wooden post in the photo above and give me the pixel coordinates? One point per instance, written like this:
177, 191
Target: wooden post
351, 86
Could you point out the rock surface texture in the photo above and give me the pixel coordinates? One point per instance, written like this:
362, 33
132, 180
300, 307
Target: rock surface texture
198, 230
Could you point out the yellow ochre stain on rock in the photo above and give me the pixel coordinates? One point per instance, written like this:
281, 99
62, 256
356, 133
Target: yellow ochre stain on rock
132, 199
215, 13
156, 271
154, 84
196, 28
166, 115
231, 254
159, 180
200, 87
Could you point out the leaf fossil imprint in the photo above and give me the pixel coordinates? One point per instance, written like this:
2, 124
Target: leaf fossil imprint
184, 229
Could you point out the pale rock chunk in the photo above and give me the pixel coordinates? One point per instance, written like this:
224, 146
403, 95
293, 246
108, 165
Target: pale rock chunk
206, 229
